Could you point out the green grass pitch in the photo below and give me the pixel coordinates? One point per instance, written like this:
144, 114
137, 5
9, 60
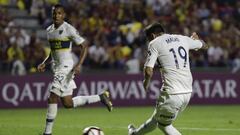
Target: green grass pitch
195, 120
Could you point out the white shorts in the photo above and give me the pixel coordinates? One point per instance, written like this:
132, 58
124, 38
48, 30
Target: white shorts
168, 107
63, 83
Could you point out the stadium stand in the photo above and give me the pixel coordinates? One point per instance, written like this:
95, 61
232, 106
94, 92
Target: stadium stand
115, 29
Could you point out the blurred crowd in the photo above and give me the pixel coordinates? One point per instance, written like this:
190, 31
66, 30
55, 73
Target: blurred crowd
114, 29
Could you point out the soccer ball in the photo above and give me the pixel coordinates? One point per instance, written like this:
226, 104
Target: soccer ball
92, 130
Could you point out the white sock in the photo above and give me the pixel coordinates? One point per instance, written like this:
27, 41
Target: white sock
51, 115
169, 130
83, 100
147, 127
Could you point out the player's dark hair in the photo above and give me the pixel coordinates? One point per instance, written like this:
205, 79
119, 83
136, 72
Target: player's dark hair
58, 6
154, 28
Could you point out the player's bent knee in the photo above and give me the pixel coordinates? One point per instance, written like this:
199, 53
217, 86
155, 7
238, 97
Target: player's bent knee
52, 100
68, 105
67, 102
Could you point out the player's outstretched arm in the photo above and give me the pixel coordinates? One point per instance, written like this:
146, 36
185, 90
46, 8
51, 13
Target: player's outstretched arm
196, 37
148, 72
77, 67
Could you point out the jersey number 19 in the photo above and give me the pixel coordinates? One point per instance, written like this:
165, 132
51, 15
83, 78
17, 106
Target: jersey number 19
182, 53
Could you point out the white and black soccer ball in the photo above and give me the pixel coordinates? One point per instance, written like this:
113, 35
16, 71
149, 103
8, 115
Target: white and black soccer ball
92, 130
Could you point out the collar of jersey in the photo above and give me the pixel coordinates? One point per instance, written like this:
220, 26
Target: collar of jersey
59, 26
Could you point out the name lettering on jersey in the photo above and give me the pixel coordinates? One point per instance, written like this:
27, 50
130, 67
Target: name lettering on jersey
172, 39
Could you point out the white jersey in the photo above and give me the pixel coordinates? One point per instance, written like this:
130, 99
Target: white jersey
60, 41
172, 54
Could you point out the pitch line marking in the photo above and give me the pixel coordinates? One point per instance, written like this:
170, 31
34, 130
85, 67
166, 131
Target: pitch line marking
187, 128
125, 127
209, 129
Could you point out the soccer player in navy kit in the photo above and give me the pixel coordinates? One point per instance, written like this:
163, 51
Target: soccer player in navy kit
60, 36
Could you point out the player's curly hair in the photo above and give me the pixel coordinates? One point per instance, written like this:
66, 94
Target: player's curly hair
154, 28
58, 6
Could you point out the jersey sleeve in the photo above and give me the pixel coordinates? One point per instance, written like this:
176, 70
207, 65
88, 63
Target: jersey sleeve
152, 55
194, 44
74, 34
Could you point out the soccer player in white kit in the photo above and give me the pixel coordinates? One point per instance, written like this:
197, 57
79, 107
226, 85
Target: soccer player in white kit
60, 36
171, 53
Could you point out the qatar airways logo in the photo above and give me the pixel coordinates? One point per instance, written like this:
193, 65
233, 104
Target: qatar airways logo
13, 93
120, 89
31, 92
215, 88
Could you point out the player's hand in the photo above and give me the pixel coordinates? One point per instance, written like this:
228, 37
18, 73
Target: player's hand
41, 67
195, 36
77, 69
